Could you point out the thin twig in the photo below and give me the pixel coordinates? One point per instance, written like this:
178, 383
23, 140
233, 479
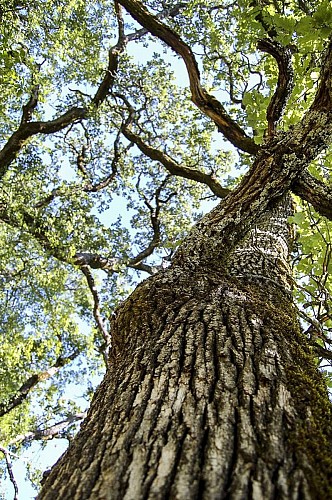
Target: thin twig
9, 464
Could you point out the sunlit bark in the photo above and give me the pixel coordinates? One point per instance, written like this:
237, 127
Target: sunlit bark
211, 390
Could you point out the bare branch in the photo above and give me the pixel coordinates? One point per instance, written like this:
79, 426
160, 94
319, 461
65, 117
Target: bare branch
208, 104
25, 389
285, 83
318, 194
100, 321
49, 432
7, 454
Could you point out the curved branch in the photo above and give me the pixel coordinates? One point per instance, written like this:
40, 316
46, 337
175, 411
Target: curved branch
26, 130
323, 98
25, 389
285, 83
173, 167
100, 321
318, 194
208, 104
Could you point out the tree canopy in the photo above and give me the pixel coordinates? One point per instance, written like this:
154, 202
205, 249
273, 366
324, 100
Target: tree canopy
117, 132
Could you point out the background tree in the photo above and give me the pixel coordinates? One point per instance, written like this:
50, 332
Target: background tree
207, 358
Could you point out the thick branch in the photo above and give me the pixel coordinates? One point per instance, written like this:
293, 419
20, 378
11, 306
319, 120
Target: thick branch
111, 265
323, 98
318, 194
32, 381
285, 84
168, 12
29, 129
31, 105
173, 167
321, 352
208, 104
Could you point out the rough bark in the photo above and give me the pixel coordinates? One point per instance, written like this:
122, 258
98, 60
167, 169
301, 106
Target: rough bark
212, 391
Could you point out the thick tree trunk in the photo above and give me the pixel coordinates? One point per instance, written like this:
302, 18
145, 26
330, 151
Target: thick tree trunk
212, 391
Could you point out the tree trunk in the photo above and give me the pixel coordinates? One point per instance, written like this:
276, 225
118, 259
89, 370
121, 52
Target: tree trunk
212, 391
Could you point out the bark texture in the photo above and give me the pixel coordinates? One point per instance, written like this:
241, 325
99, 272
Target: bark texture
212, 392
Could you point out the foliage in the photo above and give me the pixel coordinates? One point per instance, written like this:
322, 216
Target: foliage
89, 189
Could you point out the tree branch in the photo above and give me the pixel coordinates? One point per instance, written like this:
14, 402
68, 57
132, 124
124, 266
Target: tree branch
93, 188
285, 83
208, 104
318, 194
154, 217
27, 129
95, 261
30, 106
323, 98
113, 60
100, 321
168, 12
171, 165
32, 381
322, 352
49, 432
175, 168
9, 465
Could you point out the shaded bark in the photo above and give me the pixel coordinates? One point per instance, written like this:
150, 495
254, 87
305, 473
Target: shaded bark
211, 391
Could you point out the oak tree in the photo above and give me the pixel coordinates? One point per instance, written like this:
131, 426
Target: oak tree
214, 385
